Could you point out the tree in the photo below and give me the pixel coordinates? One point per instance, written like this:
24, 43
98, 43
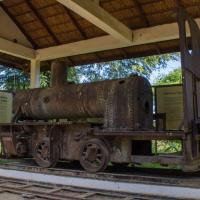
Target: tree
45, 78
93, 72
173, 77
123, 68
13, 79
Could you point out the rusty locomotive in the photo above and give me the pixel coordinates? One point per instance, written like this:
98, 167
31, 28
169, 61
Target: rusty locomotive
106, 121
124, 104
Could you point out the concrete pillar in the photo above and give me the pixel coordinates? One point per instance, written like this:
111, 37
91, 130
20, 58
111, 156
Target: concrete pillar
35, 74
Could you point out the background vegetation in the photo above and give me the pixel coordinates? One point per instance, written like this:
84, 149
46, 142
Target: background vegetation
173, 77
13, 79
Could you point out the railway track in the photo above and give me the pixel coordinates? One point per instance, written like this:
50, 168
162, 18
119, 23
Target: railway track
12, 189
139, 175
138, 185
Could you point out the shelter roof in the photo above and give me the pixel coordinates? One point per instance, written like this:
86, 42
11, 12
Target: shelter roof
48, 23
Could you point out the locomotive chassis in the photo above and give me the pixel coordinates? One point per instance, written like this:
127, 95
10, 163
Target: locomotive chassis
121, 140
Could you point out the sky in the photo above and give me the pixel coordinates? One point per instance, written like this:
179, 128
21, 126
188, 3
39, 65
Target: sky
171, 65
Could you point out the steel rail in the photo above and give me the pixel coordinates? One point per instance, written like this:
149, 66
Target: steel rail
106, 184
32, 190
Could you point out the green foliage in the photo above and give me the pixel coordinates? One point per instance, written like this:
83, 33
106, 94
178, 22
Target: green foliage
45, 78
12, 79
173, 77
72, 75
122, 68
166, 146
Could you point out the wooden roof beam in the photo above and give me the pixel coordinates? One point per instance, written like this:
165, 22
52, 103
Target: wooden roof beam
141, 36
78, 27
145, 19
17, 50
91, 11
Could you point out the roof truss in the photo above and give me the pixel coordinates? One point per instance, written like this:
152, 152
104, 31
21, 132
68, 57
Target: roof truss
119, 35
141, 36
90, 10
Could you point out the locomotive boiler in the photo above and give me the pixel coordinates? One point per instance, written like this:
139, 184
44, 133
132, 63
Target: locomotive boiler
123, 103
62, 122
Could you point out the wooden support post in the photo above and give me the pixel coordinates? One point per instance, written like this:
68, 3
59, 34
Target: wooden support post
35, 74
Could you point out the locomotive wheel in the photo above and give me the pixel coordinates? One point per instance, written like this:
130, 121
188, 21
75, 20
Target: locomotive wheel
43, 155
21, 149
94, 155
